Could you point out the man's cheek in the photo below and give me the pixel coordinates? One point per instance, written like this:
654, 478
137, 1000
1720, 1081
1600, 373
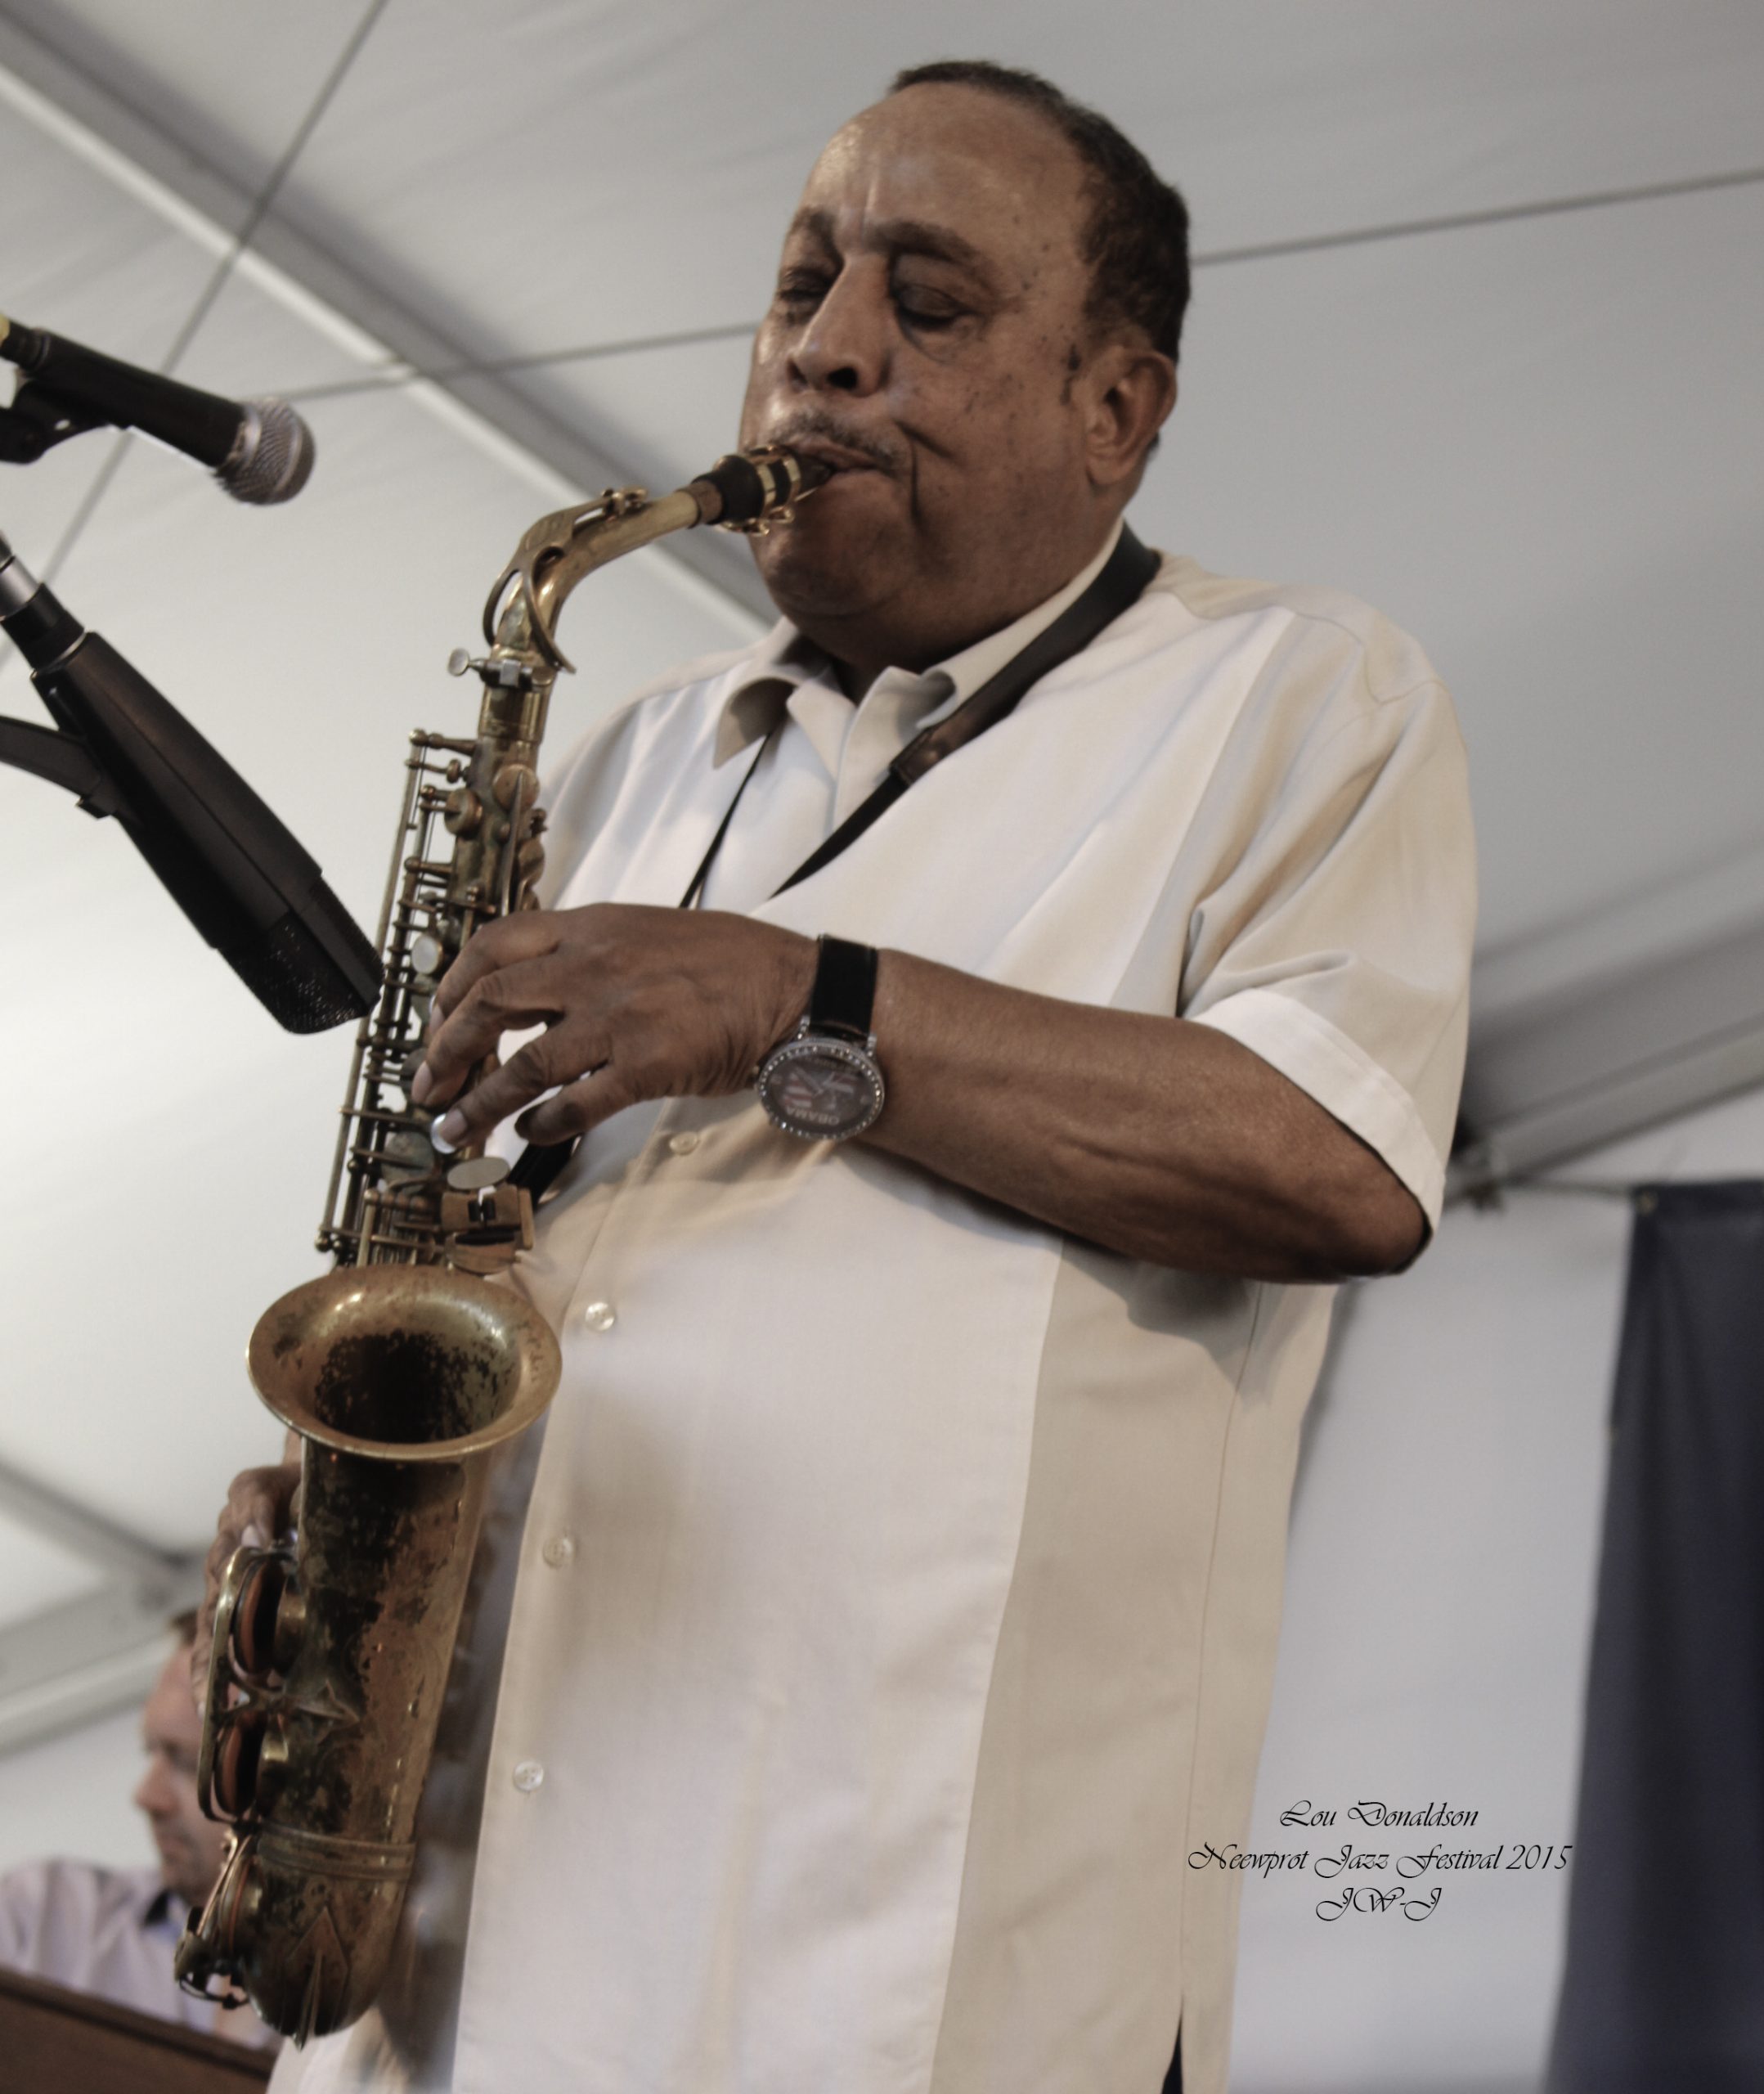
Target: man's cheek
754, 399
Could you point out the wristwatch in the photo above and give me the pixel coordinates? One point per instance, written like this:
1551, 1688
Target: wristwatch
824, 1084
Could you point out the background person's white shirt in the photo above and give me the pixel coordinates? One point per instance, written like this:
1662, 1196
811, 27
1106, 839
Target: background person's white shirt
111, 1932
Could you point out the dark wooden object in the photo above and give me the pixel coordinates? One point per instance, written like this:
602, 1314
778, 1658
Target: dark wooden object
53, 2041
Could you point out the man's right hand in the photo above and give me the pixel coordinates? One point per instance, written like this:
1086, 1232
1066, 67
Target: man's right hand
258, 1510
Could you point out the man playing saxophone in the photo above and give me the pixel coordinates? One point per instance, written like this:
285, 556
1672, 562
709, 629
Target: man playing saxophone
890, 1607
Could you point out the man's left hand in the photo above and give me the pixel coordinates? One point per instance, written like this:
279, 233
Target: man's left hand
637, 1002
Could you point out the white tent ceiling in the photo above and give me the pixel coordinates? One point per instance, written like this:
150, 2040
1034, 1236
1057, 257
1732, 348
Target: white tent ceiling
1479, 335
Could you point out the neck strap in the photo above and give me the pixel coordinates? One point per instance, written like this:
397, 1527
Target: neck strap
1119, 584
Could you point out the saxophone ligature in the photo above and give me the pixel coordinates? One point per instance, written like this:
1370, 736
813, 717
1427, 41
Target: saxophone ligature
403, 1367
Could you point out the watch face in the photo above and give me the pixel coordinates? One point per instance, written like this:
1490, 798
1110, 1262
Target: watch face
821, 1089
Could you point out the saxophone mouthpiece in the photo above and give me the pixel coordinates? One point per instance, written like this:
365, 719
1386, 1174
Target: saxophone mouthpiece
812, 473
749, 490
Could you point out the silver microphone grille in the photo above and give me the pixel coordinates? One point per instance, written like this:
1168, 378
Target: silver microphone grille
271, 455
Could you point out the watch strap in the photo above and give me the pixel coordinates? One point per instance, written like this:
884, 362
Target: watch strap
844, 995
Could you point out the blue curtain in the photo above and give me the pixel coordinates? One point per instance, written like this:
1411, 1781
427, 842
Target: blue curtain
1663, 1989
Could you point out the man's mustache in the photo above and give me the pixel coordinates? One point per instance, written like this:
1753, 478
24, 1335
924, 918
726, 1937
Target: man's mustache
820, 426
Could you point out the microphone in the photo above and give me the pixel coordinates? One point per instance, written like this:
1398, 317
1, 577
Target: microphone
227, 862
260, 450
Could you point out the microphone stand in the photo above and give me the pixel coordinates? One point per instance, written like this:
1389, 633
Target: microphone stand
34, 423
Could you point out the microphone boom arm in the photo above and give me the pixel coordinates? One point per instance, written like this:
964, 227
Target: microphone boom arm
63, 759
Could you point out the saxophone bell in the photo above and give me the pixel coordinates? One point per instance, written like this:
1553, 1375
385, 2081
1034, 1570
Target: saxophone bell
330, 1660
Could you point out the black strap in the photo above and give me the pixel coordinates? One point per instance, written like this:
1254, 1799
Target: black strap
695, 886
1120, 582
844, 995
1173, 2078
541, 1164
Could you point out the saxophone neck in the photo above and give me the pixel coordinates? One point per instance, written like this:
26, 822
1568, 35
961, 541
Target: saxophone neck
747, 491
560, 551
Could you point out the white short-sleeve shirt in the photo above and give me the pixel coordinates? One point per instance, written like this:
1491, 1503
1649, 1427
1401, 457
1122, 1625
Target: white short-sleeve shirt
895, 1605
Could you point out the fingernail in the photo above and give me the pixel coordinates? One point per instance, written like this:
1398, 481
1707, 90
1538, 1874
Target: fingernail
452, 1127
253, 1536
421, 1083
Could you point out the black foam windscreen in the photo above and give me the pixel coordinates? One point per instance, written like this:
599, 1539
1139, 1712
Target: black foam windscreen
298, 978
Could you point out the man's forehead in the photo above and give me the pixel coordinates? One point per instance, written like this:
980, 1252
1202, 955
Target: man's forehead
945, 170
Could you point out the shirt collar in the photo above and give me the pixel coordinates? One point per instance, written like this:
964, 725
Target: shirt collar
785, 659
755, 704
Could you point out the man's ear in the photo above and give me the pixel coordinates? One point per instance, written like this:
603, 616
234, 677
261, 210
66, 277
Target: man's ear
1130, 389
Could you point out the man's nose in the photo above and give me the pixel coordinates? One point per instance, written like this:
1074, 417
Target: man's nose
845, 347
150, 1794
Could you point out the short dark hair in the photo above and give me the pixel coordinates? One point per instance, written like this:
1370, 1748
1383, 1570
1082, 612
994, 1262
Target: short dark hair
1136, 241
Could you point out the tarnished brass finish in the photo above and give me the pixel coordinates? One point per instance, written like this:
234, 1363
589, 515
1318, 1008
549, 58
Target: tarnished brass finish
331, 1662
401, 1370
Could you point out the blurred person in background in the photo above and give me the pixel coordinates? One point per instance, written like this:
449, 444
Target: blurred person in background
111, 1931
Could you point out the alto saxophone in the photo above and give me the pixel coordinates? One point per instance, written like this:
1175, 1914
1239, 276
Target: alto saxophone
400, 1369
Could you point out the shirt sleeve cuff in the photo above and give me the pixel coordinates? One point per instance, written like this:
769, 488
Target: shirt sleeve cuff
1343, 1078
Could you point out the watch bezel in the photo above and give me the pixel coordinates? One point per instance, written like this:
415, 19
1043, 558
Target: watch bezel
821, 1046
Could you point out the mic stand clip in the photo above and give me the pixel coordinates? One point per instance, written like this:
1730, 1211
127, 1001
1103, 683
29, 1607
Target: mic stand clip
38, 419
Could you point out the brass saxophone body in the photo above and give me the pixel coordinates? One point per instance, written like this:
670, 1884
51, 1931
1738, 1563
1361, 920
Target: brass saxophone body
404, 1367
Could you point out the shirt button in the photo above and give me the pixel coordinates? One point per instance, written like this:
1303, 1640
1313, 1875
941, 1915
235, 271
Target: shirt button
528, 1774
559, 1550
683, 1143
599, 1315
